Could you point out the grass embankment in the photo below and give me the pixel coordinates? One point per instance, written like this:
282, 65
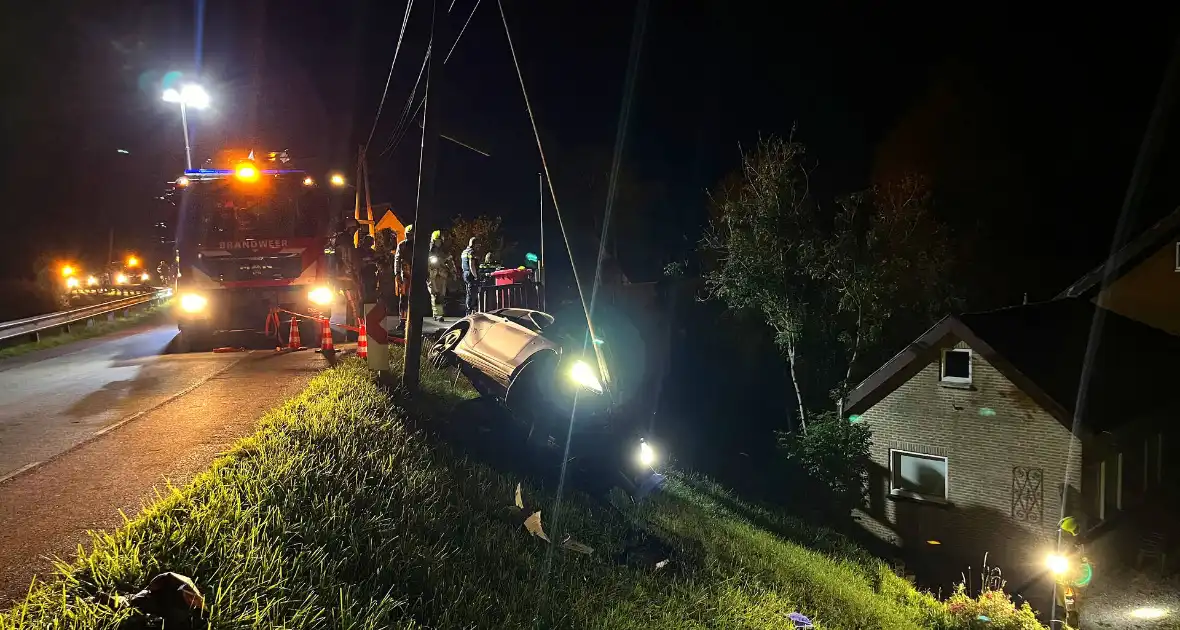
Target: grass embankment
339, 514
80, 331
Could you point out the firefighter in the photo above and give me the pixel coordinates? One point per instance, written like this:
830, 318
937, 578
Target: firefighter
471, 276
402, 258
440, 271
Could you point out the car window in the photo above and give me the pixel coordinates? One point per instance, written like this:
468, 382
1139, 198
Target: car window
542, 320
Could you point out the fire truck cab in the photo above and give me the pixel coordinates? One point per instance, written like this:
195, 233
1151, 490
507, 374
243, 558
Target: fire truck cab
252, 248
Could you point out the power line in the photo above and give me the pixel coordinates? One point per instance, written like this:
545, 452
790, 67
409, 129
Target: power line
402, 120
401, 34
461, 31
402, 127
552, 192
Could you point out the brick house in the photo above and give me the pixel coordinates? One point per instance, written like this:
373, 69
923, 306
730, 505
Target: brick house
973, 442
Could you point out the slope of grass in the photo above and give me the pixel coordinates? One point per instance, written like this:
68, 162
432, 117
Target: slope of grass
339, 514
81, 331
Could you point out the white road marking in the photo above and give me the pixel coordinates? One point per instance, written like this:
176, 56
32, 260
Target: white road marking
138, 414
19, 471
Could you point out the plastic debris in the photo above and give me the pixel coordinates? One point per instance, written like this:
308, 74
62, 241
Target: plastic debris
533, 524
572, 545
662, 563
800, 620
519, 500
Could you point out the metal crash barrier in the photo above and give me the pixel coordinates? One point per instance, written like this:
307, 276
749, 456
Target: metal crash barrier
32, 327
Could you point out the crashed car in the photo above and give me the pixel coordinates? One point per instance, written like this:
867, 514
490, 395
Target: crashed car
554, 378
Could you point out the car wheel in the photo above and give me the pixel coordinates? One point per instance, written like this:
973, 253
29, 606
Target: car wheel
442, 353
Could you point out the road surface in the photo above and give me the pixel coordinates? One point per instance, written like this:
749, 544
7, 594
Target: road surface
90, 428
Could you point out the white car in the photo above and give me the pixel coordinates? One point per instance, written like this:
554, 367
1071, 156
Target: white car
545, 373
498, 344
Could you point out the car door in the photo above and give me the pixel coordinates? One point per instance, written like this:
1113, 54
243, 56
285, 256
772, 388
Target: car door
502, 343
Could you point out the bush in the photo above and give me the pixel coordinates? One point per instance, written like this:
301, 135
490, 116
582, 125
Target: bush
835, 453
993, 609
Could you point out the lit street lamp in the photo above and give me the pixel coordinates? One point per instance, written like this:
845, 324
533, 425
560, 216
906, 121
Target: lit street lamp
188, 96
337, 180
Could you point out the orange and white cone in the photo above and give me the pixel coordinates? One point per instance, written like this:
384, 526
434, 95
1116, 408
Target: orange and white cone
362, 342
326, 344
294, 342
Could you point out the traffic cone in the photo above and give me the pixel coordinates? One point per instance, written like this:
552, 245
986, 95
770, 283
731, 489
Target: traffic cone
294, 341
326, 337
362, 342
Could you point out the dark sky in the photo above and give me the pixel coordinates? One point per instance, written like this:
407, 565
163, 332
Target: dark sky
1026, 123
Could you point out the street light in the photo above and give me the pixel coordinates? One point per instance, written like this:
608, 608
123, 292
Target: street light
132, 261
308, 181
337, 180
188, 96
182, 181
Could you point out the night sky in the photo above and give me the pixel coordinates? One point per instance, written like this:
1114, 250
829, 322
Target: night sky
1026, 123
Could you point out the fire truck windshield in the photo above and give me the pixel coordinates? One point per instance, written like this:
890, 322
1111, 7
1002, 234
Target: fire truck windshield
220, 215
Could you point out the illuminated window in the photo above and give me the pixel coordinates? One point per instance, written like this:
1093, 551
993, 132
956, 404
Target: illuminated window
918, 476
956, 366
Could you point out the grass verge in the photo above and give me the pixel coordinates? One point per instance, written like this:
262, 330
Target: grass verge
79, 332
338, 514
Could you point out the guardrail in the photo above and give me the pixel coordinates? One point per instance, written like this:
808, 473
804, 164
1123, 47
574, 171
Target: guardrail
34, 326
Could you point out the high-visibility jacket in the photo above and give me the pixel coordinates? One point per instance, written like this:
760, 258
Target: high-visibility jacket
467, 260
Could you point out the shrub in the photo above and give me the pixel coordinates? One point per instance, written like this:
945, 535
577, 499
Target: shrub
835, 453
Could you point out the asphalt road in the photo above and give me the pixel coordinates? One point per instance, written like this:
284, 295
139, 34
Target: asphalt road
90, 429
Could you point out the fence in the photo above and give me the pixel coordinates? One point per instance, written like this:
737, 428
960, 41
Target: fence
520, 295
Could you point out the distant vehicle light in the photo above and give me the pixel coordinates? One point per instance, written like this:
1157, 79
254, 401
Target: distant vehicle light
67, 271
647, 455
120, 279
132, 261
192, 303
72, 282
145, 277
92, 281
337, 179
308, 181
583, 375
246, 173
320, 295
182, 181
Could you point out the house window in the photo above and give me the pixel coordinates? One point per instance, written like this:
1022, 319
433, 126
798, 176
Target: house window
918, 476
956, 366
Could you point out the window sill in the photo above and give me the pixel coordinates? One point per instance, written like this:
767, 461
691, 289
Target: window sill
917, 498
956, 385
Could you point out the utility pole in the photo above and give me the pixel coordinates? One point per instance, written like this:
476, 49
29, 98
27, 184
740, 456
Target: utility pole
424, 216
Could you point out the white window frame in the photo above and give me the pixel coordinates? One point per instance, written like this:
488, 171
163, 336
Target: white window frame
954, 380
909, 494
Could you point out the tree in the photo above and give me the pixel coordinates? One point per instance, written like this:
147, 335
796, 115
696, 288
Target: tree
888, 260
763, 244
485, 230
826, 282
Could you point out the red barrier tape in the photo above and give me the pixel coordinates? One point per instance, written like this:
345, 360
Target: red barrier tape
316, 318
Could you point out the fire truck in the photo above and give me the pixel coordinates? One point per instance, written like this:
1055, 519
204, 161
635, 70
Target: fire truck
253, 246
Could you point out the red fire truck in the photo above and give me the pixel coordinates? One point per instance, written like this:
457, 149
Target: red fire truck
252, 246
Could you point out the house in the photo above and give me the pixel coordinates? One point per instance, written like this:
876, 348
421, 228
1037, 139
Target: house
1144, 282
991, 426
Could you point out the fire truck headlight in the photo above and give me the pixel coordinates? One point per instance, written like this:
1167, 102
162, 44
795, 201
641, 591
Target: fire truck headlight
92, 281
121, 278
145, 277
71, 283
320, 295
192, 303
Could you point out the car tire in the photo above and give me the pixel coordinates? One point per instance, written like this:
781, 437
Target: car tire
442, 353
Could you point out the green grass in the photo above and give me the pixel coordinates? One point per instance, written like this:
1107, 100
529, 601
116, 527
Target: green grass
81, 331
338, 514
